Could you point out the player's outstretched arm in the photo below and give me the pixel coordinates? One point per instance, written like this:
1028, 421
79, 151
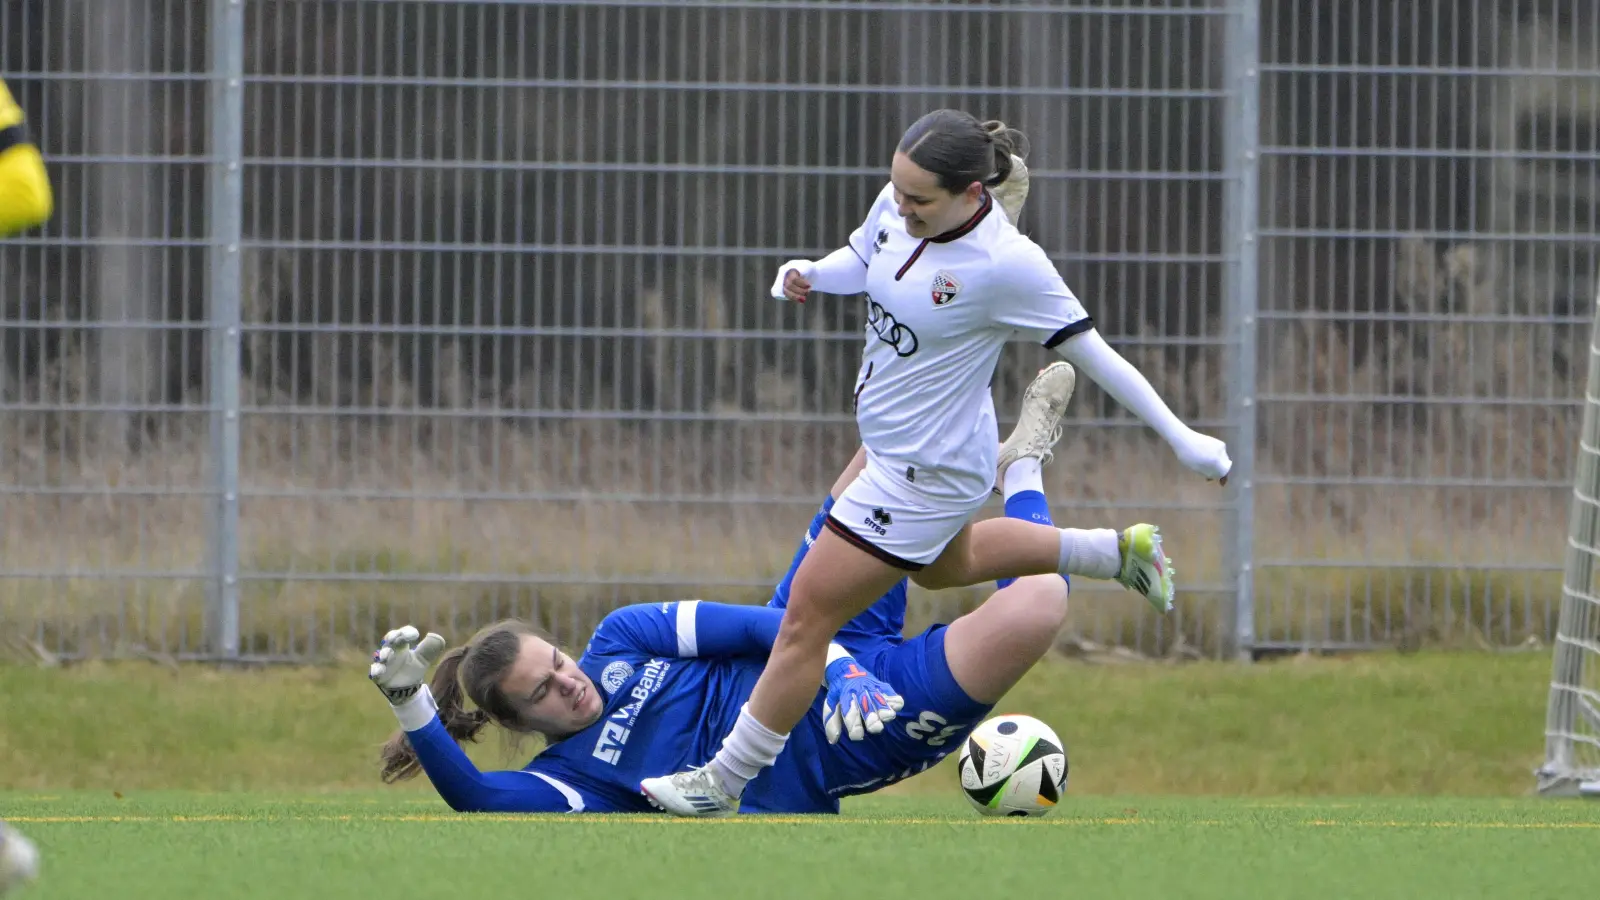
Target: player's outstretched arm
844, 271
1031, 297
399, 668
688, 629
26, 200
1092, 356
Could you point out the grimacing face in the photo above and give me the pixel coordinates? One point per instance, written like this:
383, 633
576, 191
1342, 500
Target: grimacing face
929, 210
553, 694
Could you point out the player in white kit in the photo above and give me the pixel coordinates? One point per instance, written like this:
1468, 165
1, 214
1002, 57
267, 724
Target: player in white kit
948, 281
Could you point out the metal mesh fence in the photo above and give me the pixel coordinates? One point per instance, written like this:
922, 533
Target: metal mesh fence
363, 311
1427, 265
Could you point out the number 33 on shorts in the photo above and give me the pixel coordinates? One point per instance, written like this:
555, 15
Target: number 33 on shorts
932, 729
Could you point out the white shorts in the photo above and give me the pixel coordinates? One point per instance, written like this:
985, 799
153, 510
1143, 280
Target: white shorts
877, 515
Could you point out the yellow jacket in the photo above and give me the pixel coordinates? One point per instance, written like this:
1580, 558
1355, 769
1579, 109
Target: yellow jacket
25, 197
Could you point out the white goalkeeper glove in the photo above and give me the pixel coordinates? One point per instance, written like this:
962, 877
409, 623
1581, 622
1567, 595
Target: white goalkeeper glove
400, 664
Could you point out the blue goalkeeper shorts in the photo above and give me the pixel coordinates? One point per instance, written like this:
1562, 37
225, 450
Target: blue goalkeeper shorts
937, 717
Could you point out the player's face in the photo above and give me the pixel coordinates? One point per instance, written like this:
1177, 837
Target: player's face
929, 210
553, 694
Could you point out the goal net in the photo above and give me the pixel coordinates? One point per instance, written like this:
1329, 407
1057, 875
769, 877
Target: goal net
1572, 722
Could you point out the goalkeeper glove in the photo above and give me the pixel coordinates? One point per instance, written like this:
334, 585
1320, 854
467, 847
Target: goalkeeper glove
857, 703
400, 664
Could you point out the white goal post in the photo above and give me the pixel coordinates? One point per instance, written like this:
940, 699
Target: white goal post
1572, 722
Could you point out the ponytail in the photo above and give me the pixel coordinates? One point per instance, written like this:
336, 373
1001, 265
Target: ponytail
398, 757
1007, 142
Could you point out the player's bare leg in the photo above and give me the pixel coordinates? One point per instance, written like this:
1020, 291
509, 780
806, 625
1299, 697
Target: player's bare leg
996, 549
835, 583
992, 647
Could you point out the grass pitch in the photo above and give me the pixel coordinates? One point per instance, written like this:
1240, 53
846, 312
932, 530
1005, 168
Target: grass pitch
170, 846
1187, 781
1462, 724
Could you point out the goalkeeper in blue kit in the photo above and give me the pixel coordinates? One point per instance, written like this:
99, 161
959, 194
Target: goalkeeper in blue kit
659, 685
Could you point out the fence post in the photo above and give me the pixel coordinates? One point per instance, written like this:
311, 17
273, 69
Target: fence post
1243, 170
225, 193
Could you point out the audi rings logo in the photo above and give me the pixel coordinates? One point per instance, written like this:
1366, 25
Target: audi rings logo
891, 332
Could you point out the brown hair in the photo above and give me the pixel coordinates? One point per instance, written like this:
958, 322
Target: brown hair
473, 671
959, 149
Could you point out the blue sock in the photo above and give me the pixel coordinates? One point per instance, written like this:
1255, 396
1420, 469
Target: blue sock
780, 596
1029, 506
821, 518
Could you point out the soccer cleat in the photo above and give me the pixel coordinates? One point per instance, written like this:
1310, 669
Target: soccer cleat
696, 794
1039, 426
1013, 192
1145, 568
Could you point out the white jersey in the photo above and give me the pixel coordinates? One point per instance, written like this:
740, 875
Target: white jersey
939, 312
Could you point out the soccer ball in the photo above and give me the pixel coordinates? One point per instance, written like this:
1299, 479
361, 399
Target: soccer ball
19, 859
1013, 766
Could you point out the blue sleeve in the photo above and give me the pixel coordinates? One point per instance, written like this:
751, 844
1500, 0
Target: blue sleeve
466, 789
688, 628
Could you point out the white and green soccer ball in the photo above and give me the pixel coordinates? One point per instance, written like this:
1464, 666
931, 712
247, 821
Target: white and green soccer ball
1013, 766
19, 859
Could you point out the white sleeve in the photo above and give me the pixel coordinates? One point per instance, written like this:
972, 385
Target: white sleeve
1116, 376
844, 271
1092, 356
1032, 297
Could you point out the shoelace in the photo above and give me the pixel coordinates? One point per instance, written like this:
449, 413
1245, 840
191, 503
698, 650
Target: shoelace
1050, 451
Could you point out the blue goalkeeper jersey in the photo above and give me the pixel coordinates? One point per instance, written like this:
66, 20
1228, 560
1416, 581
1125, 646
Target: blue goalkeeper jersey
674, 677
669, 709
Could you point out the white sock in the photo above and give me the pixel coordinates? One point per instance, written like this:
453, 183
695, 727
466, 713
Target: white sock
1092, 553
1023, 475
748, 748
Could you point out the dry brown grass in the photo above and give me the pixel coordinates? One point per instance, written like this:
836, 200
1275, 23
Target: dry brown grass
567, 560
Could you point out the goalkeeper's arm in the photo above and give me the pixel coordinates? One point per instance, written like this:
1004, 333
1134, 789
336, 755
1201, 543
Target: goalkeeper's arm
26, 200
425, 742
